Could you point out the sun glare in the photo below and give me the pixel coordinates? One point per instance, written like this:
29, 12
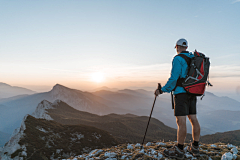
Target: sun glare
97, 77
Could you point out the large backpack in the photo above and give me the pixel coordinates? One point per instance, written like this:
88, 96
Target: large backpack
197, 76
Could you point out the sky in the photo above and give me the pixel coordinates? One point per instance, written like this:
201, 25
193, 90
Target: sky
129, 43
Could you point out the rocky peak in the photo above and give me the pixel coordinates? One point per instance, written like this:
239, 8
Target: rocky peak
4, 85
41, 110
61, 92
58, 88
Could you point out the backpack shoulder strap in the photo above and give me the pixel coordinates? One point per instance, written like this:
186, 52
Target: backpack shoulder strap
186, 58
180, 80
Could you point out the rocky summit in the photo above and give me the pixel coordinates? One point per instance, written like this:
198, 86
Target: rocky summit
154, 151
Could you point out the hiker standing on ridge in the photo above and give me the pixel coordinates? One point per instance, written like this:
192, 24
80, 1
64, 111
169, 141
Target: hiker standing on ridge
184, 104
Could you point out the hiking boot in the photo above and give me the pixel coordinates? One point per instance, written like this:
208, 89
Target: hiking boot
194, 150
174, 152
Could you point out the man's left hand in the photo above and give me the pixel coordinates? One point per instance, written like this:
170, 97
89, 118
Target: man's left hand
157, 92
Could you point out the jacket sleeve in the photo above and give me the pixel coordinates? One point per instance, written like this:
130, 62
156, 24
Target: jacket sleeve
175, 73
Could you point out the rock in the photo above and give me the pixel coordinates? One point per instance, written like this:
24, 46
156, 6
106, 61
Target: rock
149, 144
234, 150
235, 156
129, 146
227, 156
158, 156
124, 156
95, 152
141, 151
110, 154
161, 144
138, 145
230, 146
188, 155
153, 151
213, 145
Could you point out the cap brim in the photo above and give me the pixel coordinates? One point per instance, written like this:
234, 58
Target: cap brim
180, 45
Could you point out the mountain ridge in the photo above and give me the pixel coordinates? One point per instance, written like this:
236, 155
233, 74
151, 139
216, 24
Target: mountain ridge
7, 91
84, 101
124, 127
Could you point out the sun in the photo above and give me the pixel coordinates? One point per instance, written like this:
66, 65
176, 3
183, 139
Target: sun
97, 77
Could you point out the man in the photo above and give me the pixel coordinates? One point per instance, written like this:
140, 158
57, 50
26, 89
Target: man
184, 104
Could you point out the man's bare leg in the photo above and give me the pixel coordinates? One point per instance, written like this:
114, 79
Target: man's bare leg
182, 129
193, 148
195, 127
177, 152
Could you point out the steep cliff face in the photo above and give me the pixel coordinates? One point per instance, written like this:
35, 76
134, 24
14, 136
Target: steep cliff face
41, 137
13, 144
41, 110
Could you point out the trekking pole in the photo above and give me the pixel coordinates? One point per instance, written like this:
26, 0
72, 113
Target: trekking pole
159, 87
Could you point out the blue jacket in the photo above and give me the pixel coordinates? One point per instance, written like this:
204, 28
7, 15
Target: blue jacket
179, 69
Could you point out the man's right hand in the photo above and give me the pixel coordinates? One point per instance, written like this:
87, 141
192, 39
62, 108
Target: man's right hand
158, 91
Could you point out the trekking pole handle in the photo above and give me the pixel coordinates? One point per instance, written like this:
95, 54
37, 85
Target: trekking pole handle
159, 86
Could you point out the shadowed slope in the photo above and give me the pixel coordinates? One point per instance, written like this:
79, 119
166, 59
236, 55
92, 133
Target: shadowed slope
43, 139
126, 128
232, 137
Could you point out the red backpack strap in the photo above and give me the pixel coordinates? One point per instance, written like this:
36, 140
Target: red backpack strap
197, 52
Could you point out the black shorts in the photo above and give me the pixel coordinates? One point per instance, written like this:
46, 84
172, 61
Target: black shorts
184, 104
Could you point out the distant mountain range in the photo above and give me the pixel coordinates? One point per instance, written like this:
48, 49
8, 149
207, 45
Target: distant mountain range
211, 108
220, 120
216, 114
213, 102
17, 107
7, 91
104, 88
